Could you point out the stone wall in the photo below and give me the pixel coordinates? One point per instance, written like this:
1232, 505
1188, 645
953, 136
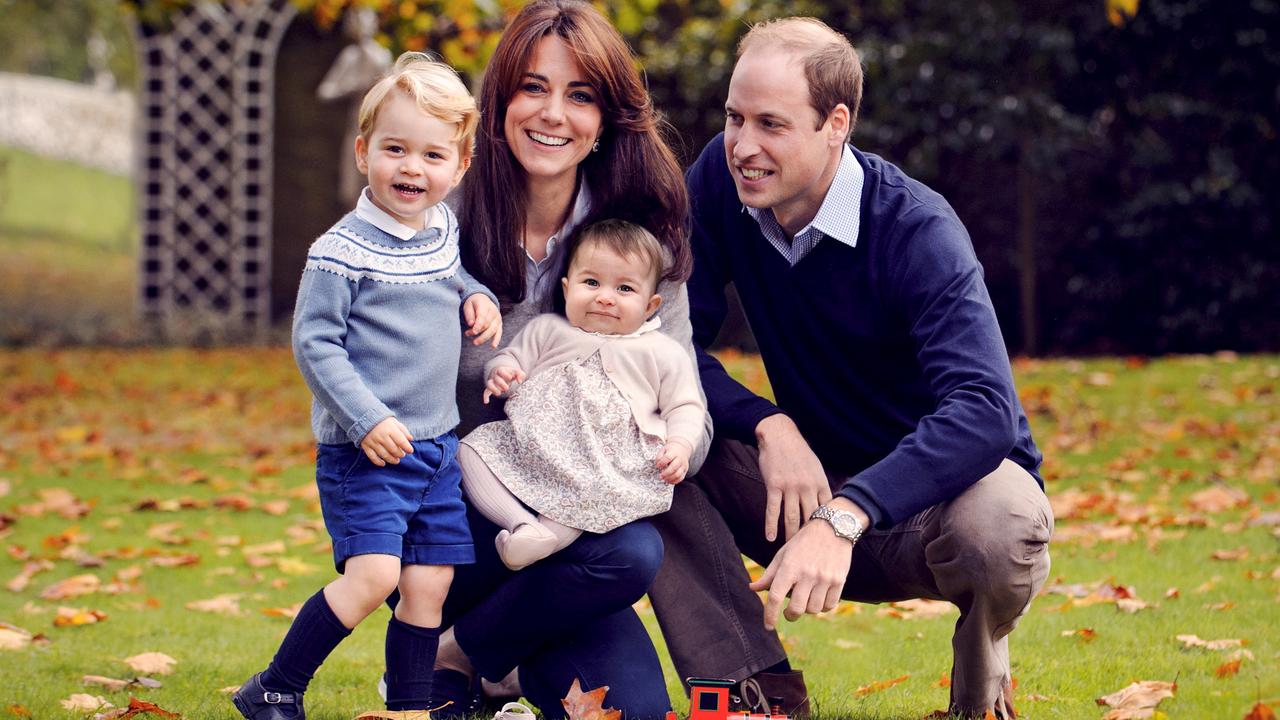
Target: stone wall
68, 121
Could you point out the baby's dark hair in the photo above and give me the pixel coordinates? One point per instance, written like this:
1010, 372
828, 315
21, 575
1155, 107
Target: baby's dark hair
625, 238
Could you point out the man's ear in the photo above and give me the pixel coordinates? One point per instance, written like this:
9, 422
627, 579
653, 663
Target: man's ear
362, 155
838, 123
654, 303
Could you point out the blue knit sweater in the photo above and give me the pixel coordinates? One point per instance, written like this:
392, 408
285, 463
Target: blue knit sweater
886, 355
377, 329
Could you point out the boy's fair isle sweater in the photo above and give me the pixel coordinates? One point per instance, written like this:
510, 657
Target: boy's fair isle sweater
887, 355
377, 328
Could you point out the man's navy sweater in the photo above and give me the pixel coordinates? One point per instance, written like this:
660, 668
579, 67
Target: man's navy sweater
887, 355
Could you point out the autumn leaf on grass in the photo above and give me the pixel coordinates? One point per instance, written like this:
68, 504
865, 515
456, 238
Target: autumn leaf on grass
72, 587
1133, 605
151, 663
1260, 711
1228, 669
179, 560
167, 533
879, 685
13, 637
1139, 700
115, 685
580, 705
1085, 634
395, 715
17, 710
228, 604
1191, 641
916, 609
290, 611
77, 616
84, 702
136, 707
1240, 553
275, 507
1217, 499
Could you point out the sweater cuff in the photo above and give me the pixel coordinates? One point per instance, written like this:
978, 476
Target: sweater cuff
850, 491
366, 422
743, 428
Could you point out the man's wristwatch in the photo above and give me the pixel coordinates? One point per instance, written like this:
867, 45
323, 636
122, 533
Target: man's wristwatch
845, 523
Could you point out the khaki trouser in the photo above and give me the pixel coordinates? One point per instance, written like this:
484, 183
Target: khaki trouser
986, 551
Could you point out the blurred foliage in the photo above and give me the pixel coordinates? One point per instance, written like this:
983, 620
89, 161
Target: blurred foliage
1121, 154
53, 39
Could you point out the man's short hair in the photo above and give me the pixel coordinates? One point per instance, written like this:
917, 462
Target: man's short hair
831, 65
437, 90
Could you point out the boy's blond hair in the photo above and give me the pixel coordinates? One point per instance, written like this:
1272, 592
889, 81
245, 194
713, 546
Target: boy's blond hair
437, 90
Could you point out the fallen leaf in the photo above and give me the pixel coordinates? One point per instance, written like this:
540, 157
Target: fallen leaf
1139, 700
1085, 634
1195, 641
1217, 499
228, 604
1228, 669
179, 560
878, 685
395, 715
1240, 553
1225, 605
156, 663
84, 702
275, 507
116, 685
1172, 593
22, 711
1133, 605
136, 707
72, 587
13, 637
1259, 711
29, 570
77, 616
589, 705
167, 533
290, 611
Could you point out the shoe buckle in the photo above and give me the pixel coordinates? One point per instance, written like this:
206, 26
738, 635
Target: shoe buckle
272, 698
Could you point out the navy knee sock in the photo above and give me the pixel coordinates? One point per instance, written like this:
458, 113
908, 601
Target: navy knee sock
411, 659
315, 632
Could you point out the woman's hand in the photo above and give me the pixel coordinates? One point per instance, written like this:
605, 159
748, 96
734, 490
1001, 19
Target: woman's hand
484, 320
673, 461
500, 381
387, 442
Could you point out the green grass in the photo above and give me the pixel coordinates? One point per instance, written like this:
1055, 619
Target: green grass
69, 240
116, 428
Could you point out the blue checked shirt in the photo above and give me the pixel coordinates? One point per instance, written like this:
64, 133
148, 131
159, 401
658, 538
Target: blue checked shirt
837, 218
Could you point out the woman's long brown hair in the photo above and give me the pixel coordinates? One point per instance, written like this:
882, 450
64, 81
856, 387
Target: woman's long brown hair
634, 176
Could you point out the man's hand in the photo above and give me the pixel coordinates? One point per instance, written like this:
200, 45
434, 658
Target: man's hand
793, 476
387, 442
811, 567
500, 381
673, 461
484, 320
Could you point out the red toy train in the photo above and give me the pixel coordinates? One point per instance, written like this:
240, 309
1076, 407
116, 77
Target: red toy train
709, 700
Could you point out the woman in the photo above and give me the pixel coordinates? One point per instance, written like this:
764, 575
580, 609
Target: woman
568, 135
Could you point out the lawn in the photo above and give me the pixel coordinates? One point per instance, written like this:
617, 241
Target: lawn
180, 481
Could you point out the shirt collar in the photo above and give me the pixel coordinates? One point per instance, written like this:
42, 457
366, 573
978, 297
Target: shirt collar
840, 214
649, 325
381, 219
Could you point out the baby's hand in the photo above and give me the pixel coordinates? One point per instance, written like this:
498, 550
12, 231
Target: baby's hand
500, 381
673, 461
387, 442
484, 320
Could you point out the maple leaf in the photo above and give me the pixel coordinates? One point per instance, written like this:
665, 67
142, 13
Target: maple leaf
136, 707
879, 685
589, 705
228, 604
1228, 669
1138, 700
152, 663
72, 587
84, 702
1260, 711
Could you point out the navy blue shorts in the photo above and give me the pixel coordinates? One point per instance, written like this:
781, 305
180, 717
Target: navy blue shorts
412, 510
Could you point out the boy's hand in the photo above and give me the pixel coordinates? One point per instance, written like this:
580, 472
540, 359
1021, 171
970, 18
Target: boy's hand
484, 320
500, 381
673, 461
387, 442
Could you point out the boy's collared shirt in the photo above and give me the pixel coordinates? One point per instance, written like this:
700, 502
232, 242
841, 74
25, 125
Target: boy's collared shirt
369, 212
838, 217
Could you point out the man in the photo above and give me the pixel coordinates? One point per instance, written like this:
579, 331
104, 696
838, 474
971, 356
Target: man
897, 462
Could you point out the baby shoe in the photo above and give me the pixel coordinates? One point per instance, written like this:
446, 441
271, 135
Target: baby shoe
528, 544
257, 703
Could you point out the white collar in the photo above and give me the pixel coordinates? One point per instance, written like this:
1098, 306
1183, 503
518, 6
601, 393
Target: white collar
649, 325
369, 212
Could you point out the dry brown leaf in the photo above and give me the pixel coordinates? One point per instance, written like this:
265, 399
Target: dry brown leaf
1139, 700
1217, 499
72, 587
290, 611
84, 702
179, 560
13, 637
1228, 669
18, 710
111, 684
1133, 605
1224, 644
1240, 553
228, 604
580, 705
1085, 634
29, 570
151, 663
167, 533
77, 616
275, 507
294, 566
878, 685
136, 707
1260, 711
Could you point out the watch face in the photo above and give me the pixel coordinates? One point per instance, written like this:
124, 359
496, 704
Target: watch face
845, 524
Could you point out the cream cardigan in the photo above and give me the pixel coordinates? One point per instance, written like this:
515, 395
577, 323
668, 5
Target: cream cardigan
652, 371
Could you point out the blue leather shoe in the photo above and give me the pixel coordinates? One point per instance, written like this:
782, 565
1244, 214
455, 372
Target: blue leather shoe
257, 703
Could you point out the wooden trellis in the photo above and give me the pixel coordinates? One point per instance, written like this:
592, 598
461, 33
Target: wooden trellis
204, 182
